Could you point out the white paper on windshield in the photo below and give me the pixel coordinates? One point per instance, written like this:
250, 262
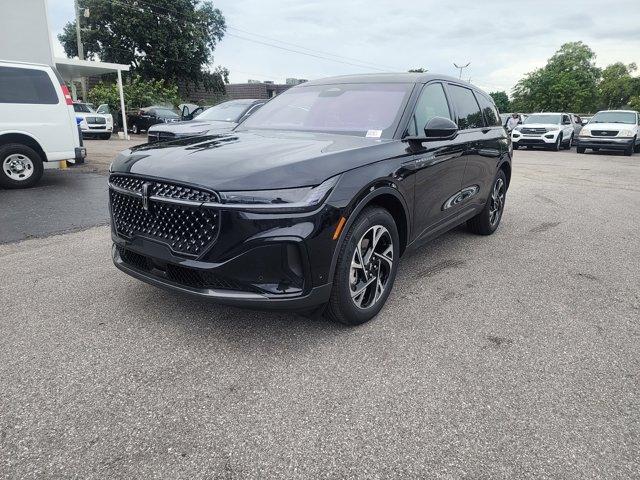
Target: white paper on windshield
374, 133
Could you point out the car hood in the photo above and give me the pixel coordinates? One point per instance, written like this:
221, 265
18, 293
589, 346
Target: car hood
541, 125
193, 127
252, 160
610, 126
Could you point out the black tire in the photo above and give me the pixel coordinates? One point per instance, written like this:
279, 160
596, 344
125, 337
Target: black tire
485, 223
558, 145
515, 146
580, 149
629, 150
569, 143
342, 307
30, 162
636, 146
105, 136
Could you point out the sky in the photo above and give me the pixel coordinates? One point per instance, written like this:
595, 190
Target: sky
502, 40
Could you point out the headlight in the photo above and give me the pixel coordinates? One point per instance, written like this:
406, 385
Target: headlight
517, 129
585, 132
626, 133
287, 198
552, 129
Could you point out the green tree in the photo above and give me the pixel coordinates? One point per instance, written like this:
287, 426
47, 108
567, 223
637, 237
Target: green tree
501, 100
568, 82
617, 85
137, 93
169, 39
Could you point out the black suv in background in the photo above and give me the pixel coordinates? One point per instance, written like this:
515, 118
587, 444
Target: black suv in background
312, 200
220, 118
146, 117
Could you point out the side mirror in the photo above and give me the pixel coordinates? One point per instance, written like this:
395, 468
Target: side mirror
440, 128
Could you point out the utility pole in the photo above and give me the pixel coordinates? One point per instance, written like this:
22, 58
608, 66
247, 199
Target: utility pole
461, 68
80, 49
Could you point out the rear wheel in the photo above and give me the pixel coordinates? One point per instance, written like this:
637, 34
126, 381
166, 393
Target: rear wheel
21, 166
366, 268
134, 129
487, 221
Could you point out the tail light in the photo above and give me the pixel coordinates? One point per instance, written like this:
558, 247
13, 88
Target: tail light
67, 95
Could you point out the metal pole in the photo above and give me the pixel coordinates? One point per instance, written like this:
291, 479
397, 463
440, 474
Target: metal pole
124, 113
461, 67
80, 49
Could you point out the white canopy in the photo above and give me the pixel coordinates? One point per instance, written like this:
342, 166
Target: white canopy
73, 69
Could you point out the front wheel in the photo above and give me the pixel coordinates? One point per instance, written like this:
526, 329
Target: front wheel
487, 221
580, 149
21, 166
106, 136
558, 145
366, 268
569, 143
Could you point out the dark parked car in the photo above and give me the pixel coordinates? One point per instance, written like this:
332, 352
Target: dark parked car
220, 118
146, 117
310, 202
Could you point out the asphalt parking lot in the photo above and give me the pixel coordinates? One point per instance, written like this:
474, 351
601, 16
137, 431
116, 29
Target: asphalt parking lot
510, 356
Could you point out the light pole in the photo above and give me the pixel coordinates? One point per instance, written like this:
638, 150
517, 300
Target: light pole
459, 67
80, 49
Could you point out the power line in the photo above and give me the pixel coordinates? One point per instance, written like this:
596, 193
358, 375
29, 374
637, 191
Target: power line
310, 49
304, 53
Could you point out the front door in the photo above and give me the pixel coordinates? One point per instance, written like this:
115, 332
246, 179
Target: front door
439, 165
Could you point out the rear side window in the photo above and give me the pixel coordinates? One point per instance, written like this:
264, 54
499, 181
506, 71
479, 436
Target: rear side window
490, 112
467, 107
432, 103
25, 85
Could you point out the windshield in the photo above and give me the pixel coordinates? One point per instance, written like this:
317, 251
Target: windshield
614, 117
553, 119
225, 112
371, 110
81, 107
166, 113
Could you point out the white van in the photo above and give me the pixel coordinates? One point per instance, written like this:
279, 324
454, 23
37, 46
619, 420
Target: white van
37, 123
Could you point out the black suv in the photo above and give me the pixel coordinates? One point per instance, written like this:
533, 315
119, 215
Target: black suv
311, 201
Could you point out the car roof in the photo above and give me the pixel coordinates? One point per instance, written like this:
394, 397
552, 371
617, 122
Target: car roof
384, 78
618, 111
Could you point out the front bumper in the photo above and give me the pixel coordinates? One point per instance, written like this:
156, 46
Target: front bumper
606, 143
97, 129
546, 139
314, 297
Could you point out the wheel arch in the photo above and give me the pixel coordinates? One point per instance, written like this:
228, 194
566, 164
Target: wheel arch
23, 139
384, 196
506, 168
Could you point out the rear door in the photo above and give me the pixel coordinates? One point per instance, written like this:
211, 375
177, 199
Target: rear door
486, 146
32, 101
439, 165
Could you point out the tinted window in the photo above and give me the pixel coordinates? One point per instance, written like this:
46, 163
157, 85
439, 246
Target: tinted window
226, 112
565, 119
432, 103
24, 85
489, 110
467, 108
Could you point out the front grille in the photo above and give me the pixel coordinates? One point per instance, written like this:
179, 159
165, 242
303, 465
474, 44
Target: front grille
187, 230
188, 277
604, 133
97, 120
534, 130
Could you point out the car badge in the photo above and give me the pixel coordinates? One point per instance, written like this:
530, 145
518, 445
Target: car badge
145, 196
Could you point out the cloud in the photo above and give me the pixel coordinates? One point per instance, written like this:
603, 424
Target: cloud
503, 39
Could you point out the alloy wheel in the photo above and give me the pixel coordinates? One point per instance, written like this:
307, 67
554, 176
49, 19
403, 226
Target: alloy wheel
18, 167
371, 266
497, 201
